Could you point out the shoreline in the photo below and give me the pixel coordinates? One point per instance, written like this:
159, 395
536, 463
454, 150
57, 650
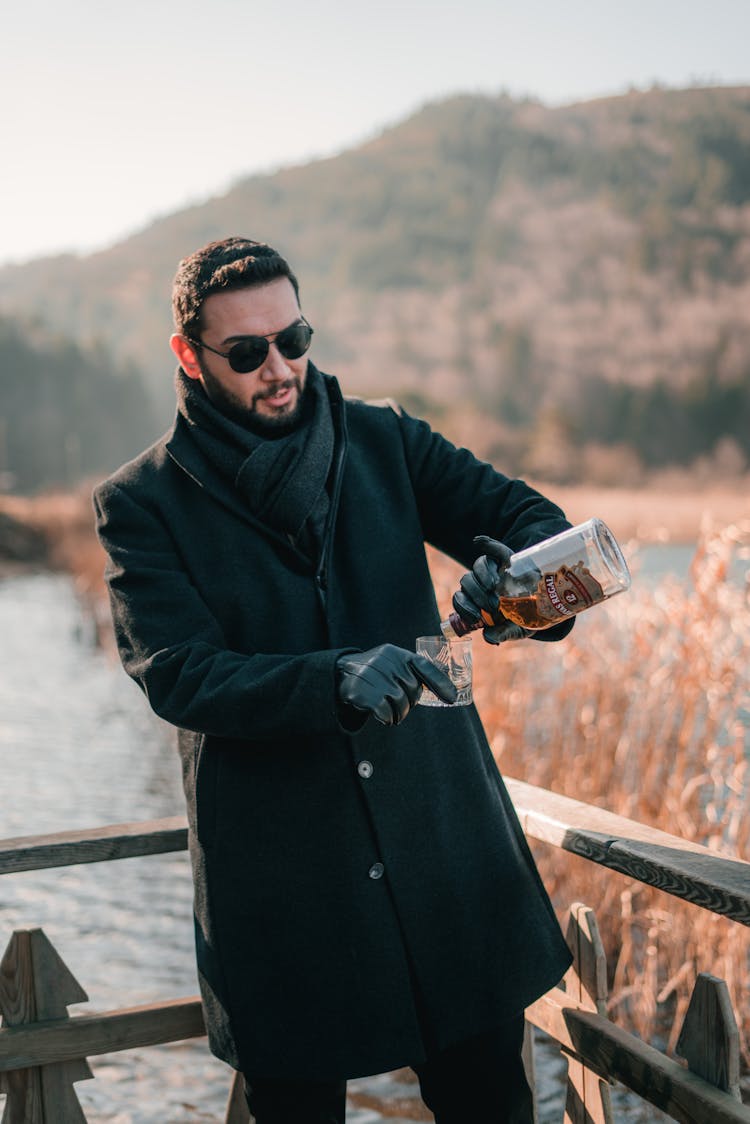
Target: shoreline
678, 513
654, 514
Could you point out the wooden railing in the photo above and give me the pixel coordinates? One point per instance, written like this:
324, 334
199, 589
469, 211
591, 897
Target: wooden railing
43, 1050
706, 1090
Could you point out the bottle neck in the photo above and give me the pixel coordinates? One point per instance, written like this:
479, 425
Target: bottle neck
454, 626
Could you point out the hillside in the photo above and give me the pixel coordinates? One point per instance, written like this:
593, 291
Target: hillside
66, 412
563, 273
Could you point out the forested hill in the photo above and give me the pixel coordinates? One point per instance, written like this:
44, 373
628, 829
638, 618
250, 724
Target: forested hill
66, 413
540, 279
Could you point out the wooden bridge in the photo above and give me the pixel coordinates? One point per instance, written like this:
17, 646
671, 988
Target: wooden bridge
44, 1050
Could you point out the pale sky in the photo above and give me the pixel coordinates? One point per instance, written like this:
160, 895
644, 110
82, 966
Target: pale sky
112, 114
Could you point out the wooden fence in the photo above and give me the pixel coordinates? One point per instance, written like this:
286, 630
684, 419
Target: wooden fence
44, 1050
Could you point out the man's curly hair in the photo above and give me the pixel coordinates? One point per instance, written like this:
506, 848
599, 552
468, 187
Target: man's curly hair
232, 263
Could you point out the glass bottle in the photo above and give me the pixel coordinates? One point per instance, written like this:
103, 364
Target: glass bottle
553, 580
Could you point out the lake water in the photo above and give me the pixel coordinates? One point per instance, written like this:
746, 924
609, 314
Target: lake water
80, 748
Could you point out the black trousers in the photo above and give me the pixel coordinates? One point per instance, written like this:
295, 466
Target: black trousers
478, 1081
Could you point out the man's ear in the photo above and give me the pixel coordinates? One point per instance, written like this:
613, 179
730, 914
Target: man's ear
186, 355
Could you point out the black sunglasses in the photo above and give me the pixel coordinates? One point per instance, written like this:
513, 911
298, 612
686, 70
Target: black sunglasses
251, 352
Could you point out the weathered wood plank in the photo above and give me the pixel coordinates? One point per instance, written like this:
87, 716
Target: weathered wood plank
23, 1090
36, 984
614, 1054
25, 1104
86, 1035
92, 845
586, 980
587, 1098
710, 1039
680, 867
59, 1100
237, 1111
527, 1057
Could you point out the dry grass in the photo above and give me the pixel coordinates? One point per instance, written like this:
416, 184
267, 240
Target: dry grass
643, 710
674, 508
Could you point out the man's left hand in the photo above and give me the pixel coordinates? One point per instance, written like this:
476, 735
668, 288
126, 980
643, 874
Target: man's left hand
481, 589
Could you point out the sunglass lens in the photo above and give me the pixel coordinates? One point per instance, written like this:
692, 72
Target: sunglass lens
248, 354
294, 340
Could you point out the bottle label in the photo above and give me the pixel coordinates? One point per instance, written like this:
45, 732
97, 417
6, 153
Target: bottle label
558, 595
567, 591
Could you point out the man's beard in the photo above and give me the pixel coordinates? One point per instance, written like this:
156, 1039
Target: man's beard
265, 425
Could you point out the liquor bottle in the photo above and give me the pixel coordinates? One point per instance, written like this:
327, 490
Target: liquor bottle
553, 580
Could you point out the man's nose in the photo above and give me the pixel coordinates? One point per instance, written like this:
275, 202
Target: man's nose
275, 365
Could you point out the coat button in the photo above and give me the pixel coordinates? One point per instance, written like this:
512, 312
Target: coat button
376, 870
365, 769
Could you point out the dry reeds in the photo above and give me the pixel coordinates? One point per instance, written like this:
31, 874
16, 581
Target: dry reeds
643, 710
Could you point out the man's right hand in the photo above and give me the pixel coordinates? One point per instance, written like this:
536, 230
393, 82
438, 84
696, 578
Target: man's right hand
387, 681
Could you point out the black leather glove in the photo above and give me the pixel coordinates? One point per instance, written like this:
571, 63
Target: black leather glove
387, 681
485, 583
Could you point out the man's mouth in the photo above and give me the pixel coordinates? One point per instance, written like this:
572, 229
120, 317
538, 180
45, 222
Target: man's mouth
279, 395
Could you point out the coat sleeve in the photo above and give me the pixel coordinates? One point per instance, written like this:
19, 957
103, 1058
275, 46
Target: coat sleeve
459, 497
174, 648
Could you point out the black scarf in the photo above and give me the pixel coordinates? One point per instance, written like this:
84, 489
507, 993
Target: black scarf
282, 478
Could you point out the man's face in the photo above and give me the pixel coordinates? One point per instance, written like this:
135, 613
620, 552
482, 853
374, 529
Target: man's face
271, 395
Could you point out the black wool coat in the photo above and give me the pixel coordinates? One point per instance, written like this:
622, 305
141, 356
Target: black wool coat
359, 898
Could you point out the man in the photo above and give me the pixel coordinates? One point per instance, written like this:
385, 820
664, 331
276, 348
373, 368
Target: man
364, 896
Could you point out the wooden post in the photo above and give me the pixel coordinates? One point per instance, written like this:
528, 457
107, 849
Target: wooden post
237, 1110
709, 1040
36, 985
588, 1100
527, 1055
